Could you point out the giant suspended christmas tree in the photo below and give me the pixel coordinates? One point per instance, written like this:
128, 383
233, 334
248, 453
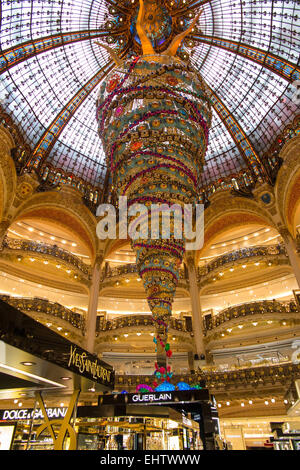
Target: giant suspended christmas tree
153, 116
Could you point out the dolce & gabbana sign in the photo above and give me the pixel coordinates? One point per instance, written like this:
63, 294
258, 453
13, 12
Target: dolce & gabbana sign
28, 413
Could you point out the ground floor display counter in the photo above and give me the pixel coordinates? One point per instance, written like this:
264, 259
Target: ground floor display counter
185, 420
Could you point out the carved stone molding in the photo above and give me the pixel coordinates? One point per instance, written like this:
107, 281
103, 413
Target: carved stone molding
65, 208
8, 174
287, 188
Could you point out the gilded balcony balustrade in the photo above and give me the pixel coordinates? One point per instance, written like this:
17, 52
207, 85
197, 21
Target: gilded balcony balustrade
141, 320
272, 253
244, 311
109, 273
43, 250
248, 379
244, 181
44, 306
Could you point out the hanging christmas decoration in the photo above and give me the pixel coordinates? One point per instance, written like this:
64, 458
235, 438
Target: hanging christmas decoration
153, 116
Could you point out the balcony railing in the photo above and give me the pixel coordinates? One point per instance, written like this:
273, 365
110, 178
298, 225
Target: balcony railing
124, 269
218, 382
242, 181
26, 304
250, 309
269, 251
138, 320
50, 250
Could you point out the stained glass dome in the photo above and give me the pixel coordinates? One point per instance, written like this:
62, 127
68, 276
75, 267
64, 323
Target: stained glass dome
51, 68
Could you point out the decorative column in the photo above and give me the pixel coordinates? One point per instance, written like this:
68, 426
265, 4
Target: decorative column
291, 249
196, 308
93, 305
4, 224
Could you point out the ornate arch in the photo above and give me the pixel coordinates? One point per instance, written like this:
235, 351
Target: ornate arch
227, 212
8, 176
287, 188
64, 208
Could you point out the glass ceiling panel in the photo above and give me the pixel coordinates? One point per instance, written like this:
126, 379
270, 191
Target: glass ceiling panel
81, 138
42, 85
220, 163
266, 24
37, 90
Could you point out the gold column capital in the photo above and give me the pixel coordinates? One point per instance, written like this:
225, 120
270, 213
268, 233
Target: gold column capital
98, 261
190, 259
285, 233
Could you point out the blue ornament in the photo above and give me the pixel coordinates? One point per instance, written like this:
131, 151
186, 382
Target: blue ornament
165, 387
183, 386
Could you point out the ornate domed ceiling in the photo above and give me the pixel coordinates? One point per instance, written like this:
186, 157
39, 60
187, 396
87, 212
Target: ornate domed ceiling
246, 51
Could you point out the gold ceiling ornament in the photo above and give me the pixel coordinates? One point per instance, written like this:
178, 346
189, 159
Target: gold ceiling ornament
149, 28
111, 52
145, 41
65, 425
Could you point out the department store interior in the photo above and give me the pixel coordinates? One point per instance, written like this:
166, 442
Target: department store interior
233, 328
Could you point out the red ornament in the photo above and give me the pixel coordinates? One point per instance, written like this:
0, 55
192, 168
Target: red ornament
172, 80
112, 84
136, 146
169, 353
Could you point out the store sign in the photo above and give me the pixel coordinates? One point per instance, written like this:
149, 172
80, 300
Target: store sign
16, 415
52, 347
154, 397
87, 364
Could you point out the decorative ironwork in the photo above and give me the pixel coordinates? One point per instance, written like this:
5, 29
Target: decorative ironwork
269, 251
127, 321
250, 309
281, 67
50, 250
44, 306
221, 381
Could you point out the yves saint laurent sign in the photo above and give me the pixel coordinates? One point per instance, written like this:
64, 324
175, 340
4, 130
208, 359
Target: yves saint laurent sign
86, 364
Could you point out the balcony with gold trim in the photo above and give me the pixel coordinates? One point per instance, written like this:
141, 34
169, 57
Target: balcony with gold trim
123, 281
243, 267
45, 263
249, 382
136, 332
52, 314
252, 323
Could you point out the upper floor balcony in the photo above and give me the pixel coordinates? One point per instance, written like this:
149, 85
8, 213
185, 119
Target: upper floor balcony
270, 254
262, 310
132, 321
112, 273
21, 248
52, 314
259, 379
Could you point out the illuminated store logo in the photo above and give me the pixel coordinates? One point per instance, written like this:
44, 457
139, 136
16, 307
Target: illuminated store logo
62, 426
16, 415
152, 397
82, 362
